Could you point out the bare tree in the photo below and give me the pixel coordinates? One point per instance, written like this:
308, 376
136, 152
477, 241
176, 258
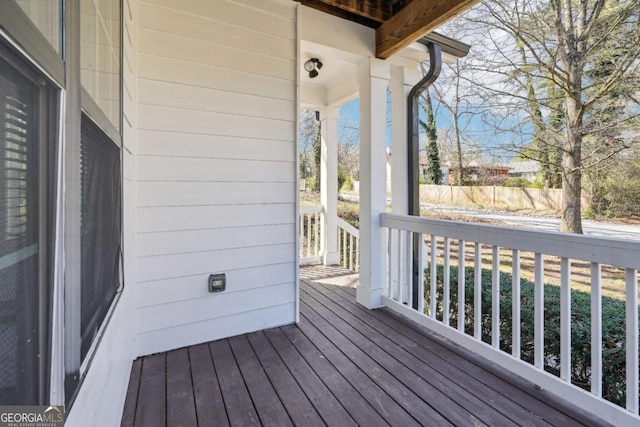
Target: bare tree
566, 61
349, 147
309, 131
454, 91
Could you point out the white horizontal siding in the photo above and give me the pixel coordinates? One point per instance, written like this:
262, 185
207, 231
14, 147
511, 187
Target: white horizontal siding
178, 313
176, 218
165, 44
182, 22
168, 193
266, 17
154, 67
161, 168
166, 243
152, 142
195, 263
180, 95
177, 289
216, 328
215, 169
171, 119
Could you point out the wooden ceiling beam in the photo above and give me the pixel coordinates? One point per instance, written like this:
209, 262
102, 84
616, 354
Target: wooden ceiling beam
324, 6
376, 10
416, 19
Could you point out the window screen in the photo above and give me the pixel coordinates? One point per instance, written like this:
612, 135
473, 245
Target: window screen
100, 55
47, 16
100, 225
23, 240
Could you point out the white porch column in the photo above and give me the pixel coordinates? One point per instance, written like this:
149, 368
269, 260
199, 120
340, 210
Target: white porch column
402, 81
373, 76
329, 184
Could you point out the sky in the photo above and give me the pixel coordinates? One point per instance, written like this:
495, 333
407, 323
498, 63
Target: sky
474, 128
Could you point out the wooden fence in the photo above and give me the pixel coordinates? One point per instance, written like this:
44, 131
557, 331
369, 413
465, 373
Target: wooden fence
519, 198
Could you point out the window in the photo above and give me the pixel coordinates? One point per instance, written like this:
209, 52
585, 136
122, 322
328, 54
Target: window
46, 16
100, 52
52, 314
100, 225
25, 128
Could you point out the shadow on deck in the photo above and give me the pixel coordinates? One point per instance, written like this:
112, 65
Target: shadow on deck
341, 365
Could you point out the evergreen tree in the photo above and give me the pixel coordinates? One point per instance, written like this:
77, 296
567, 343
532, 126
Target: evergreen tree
434, 173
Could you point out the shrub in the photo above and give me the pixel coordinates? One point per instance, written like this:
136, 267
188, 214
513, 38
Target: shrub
342, 177
350, 212
613, 327
517, 182
616, 192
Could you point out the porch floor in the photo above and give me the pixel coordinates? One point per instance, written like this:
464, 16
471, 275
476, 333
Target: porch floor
341, 365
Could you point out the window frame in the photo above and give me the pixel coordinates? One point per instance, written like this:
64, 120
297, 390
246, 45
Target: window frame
81, 103
48, 112
16, 26
66, 367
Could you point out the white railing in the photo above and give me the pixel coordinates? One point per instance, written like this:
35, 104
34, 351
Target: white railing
480, 330
310, 234
348, 245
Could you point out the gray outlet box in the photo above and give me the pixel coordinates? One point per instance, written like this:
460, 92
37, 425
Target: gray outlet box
217, 282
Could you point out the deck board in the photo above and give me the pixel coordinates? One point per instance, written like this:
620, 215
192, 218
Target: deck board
384, 349
237, 400
298, 406
181, 406
369, 389
152, 396
361, 411
129, 413
322, 398
341, 365
209, 403
471, 372
440, 365
266, 401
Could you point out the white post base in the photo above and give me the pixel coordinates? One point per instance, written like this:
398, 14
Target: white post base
331, 258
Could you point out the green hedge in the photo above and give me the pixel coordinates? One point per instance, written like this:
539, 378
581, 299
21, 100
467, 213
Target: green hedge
613, 327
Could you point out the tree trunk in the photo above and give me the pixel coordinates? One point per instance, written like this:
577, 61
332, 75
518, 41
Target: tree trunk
571, 221
460, 171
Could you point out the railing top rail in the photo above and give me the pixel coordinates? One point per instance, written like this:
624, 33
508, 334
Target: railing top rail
348, 227
310, 209
616, 252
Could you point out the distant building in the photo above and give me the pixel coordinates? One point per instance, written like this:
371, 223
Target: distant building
528, 170
424, 165
477, 173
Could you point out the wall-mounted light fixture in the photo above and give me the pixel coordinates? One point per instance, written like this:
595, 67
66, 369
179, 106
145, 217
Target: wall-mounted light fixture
312, 66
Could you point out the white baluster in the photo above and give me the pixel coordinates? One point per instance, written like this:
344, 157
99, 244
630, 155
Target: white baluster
515, 295
390, 263
477, 292
538, 331
565, 319
495, 297
632, 339
461, 285
308, 235
434, 277
446, 303
350, 251
421, 267
596, 329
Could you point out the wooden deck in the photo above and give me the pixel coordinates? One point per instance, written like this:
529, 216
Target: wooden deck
341, 365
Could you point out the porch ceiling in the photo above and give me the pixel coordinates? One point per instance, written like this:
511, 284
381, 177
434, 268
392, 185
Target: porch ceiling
398, 23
